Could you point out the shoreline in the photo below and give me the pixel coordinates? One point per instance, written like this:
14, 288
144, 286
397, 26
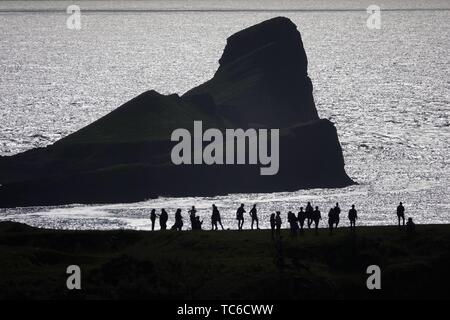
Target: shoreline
323, 227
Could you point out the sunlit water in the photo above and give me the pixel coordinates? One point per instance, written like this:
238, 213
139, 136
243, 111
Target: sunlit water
387, 91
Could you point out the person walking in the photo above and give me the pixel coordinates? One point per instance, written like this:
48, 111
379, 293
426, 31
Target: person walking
153, 218
163, 217
192, 217
352, 216
272, 224
178, 225
309, 214
293, 225
316, 217
337, 212
301, 216
240, 216
254, 216
401, 214
331, 219
278, 223
215, 218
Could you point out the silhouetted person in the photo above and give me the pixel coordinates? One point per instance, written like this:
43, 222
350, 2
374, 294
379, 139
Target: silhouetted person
178, 221
278, 223
153, 218
301, 216
352, 216
337, 212
240, 216
410, 226
272, 224
309, 214
215, 218
254, 216
163, 217
401, 214
197, 224
192, 216
293, 225
316, 216
331, 219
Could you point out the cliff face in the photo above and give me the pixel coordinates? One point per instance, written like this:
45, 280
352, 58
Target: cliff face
263, 70
262, 82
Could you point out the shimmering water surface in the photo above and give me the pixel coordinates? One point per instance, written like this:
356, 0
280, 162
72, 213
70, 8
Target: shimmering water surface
387, 91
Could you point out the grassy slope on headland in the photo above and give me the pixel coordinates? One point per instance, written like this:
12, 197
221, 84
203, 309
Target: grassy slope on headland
224, 264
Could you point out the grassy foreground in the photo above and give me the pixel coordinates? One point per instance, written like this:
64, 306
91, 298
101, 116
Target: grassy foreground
224, 264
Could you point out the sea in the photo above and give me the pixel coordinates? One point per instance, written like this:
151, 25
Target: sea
386, 88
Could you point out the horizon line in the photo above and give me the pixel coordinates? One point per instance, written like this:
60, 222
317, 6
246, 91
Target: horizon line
224, 10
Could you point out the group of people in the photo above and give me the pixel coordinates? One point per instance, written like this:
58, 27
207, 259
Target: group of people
305, 217
311, 215
196, 223
163, 217
410, 225
253, 215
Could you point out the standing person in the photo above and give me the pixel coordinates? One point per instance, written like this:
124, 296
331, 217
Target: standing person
401, 214
215, 218
309, 214
292, 219
163, 217
153, 218
278, 223
178, 221
316, 216
301, 216
337, 212
254, 216
352, 216
331, 219
192, 217
240, 216
272, 224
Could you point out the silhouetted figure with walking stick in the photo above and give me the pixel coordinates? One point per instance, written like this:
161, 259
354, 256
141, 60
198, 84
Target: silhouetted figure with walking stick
153, 218
292, 219
215, 218
301, 216
163, 217
331, 219
316, 216
309, 214
240, 216
401, 214
278, 223
352, 216
272, 224
254, 216
192, 216
337, 212
178, 221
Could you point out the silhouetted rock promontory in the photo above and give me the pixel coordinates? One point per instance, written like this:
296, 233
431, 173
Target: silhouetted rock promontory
262, 82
